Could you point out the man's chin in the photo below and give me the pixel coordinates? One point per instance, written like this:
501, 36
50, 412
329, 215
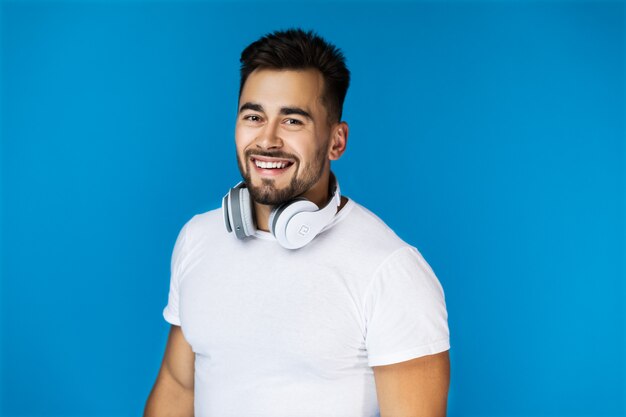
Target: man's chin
267, 193
267, 198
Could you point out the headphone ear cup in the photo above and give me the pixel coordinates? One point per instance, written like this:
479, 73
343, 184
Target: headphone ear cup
247, 212
284, 220
276, 212
238, 212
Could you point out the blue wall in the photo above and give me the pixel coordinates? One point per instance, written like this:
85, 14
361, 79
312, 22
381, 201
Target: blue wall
488, 134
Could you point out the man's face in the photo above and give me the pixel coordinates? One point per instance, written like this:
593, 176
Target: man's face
282, 134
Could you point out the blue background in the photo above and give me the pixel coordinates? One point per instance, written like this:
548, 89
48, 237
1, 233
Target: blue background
488, 134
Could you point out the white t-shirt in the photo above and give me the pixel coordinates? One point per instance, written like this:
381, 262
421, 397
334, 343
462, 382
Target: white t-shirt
290, 333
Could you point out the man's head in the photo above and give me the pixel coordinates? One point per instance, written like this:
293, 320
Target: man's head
289, 127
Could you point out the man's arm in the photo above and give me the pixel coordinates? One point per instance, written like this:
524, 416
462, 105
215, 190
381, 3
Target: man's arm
415, 388
172, 394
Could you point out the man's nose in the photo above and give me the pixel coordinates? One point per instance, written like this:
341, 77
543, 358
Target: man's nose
269, 137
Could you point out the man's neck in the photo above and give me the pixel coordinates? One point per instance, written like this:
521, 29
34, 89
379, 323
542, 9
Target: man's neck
262, 213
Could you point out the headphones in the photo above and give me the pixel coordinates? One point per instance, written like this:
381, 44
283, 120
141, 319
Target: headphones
294, 223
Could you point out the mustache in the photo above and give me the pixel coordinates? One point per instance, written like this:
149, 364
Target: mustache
275, 154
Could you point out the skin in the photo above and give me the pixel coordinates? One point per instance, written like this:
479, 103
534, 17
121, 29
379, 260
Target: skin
282, 118
414, 388
172, 394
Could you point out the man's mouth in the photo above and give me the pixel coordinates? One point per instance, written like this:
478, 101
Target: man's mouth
265, 163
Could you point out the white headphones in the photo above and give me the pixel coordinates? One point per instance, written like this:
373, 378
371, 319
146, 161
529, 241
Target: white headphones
293, 224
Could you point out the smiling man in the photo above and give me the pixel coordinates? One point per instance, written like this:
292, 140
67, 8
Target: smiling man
312, 306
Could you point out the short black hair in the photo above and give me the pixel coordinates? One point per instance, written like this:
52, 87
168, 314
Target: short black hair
298, 50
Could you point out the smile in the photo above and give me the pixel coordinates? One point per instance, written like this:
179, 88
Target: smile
270, 163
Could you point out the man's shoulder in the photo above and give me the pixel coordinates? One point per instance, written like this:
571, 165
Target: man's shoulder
371, 218
208, 218
208, 222
369, 232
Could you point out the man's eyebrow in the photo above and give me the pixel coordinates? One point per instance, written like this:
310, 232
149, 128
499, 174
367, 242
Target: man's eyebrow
251, 106
286, 111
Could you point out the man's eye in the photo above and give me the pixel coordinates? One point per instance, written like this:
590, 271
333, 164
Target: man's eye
293, 122
252, 118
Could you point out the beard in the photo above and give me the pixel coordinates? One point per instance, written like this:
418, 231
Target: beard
267, 193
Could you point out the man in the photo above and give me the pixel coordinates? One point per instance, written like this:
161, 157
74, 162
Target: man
304, 310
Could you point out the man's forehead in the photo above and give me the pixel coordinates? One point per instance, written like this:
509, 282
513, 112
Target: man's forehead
297, 86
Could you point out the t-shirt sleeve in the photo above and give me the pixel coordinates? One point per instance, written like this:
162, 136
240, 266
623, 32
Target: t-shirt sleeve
171, 312
405, 310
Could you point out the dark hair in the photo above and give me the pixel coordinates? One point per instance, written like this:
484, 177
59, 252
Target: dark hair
297, 49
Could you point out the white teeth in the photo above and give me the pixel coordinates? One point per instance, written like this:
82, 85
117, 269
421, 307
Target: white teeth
270, 165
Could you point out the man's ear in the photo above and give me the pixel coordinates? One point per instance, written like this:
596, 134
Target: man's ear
338, 141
